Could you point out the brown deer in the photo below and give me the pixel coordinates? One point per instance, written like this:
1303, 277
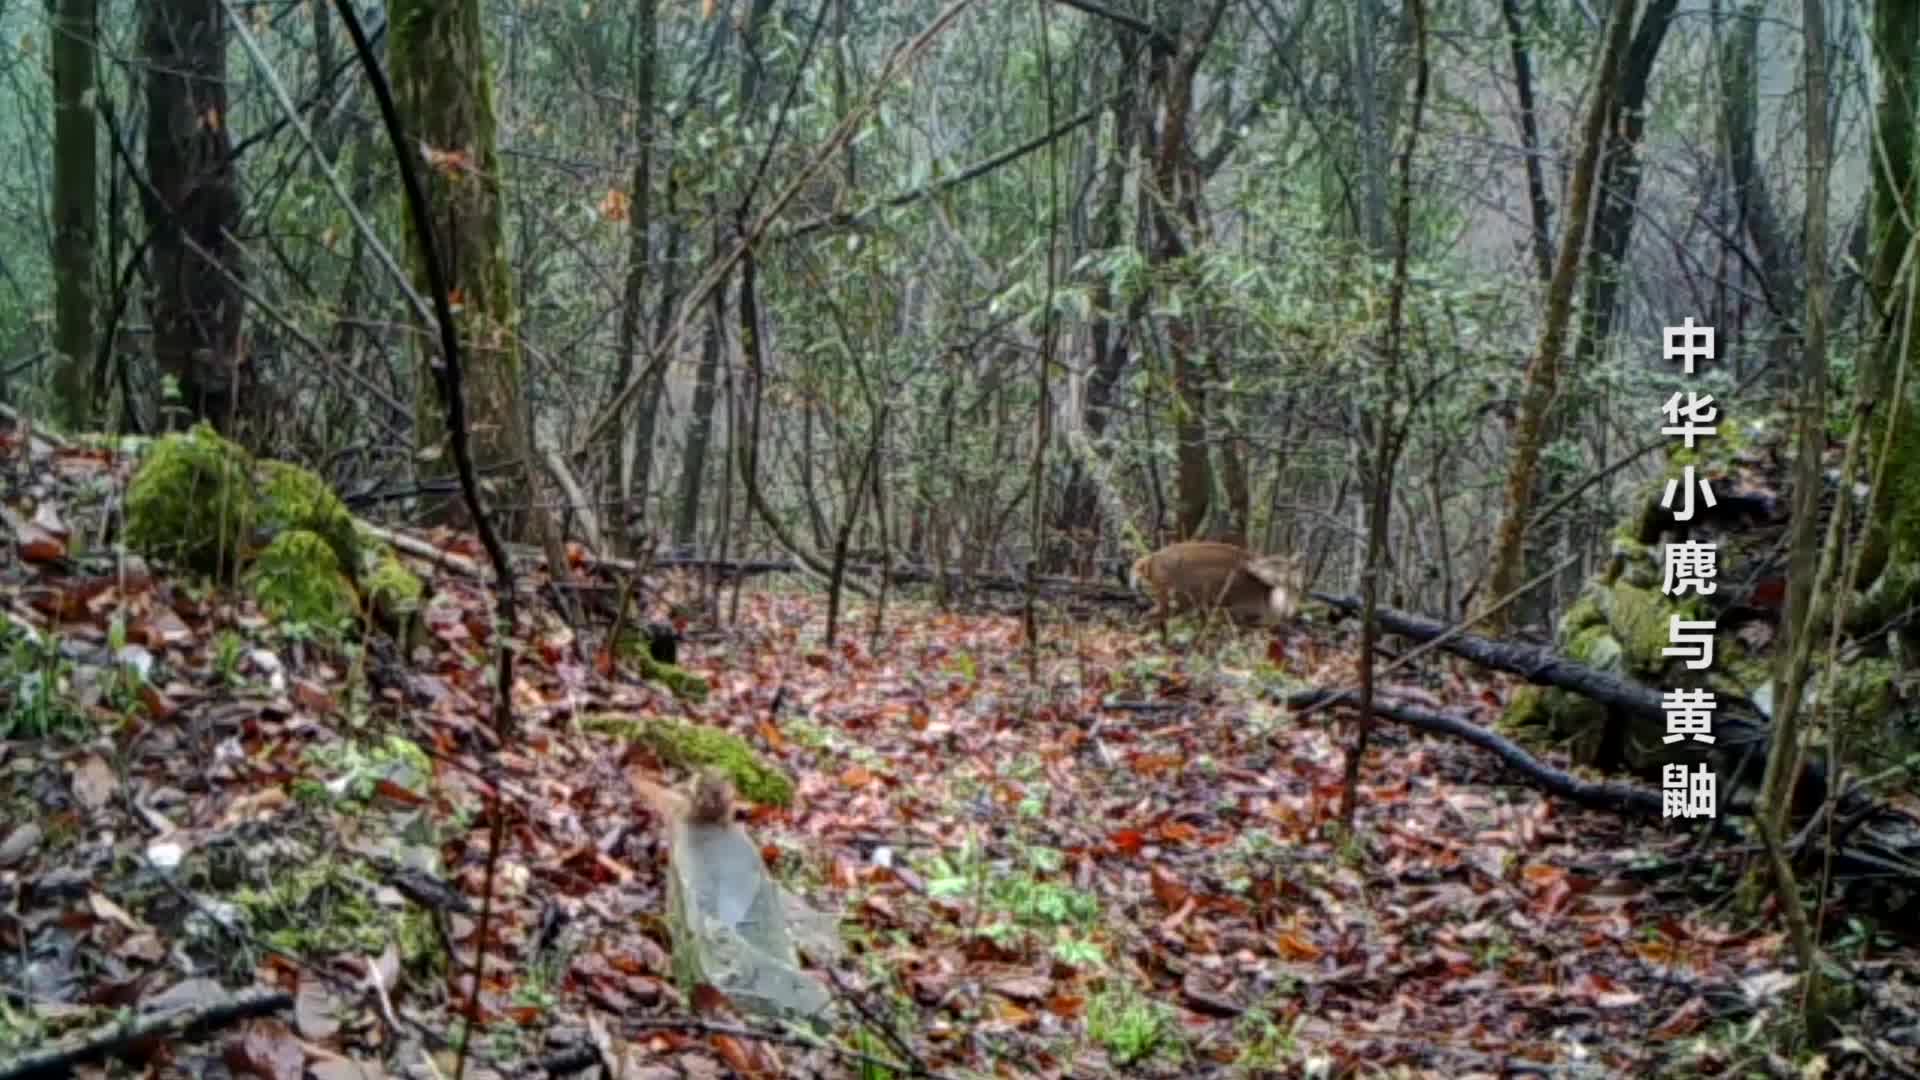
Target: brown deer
1206, 576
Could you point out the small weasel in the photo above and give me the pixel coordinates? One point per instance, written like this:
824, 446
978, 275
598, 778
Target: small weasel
710, 804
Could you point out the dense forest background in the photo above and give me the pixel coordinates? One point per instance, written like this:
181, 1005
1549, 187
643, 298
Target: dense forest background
1160, 243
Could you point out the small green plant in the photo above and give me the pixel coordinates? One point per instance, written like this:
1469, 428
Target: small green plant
1035, 803
1078, 952
1014, 905
228, 649
1131, 1027
33, 683
19, 1029
1267, 1044
871, 1046
1493, 952
964, 665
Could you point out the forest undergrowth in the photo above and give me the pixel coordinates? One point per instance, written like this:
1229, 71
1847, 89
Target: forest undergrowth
1133, 863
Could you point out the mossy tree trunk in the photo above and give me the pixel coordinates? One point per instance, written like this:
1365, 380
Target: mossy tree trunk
1616, 197
75, 170
444, 93
1894, 521
192, 205
1543, 373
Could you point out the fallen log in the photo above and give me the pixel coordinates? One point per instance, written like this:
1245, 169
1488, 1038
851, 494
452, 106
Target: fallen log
1740, 729
1887, 856
1084, 589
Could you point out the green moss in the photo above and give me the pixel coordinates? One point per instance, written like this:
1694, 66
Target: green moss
1640, 622
1866, 687
675, 678
298, 577
634, 646
324, 906
291, 497
1585, 612
192, 502
1886, 601
394, 593
1732, 662
1597, 648
695, 745
1526, 710
1541, 716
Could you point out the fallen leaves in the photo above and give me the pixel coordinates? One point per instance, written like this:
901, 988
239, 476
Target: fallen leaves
1009, 862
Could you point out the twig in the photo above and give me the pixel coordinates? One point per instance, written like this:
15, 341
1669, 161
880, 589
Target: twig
59, 1059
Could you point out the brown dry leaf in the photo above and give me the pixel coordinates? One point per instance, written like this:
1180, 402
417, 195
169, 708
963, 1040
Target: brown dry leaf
1684, 1021
94, 783
1021, 987
38, 546
260, 804
315, 1011
312, 696
157, 703
144, 946
751, 1059
1293, 946
266, 1048
1202, 997
109, 911
1169, 890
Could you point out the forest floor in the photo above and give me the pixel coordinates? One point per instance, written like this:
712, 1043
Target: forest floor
1131, 864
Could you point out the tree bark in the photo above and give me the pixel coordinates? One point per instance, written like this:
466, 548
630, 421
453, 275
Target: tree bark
75, 212
443, 91
192, 201
1543, 374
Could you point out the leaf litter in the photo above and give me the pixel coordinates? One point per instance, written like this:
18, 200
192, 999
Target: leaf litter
1032, 880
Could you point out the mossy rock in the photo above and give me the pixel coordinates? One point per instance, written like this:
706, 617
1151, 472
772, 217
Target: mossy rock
192, 501
291, 497
692, 746
201, 501
1639, 620
1547, 715
1585, 612
1597, 648
394, 592
298, 577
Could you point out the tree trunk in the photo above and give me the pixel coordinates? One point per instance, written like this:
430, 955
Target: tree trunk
1894, 524
75, 165
1615, 199
693, 466
1543, 374
1080, 503
700, 429
640, 199
442, 89
192, 202
1176, 205
1542, 211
